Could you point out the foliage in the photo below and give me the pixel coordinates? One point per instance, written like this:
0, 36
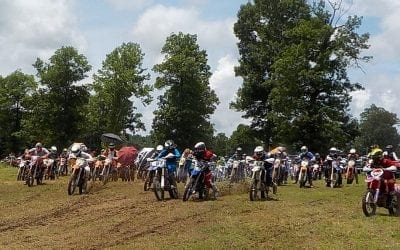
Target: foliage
244, 137
294, 66
56, 108
220, 145
111, 107
377, 126
184, 109
15, 91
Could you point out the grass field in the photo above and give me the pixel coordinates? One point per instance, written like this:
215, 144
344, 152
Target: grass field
122, 216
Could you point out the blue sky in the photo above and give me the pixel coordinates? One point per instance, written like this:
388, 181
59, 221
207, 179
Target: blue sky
36, 28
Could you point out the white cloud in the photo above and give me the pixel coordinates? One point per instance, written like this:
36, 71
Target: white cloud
129, 4
31, 29
225, 84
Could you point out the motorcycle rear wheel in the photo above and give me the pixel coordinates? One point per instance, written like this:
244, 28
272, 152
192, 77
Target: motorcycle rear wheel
72, 184
158, 191
368, 205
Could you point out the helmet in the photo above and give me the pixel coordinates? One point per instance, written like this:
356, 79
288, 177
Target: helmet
84, 148
200, 145
389, 148
111, 145
239, 149
352, 151
304, 149
76, 149
65, 150
159, 147
332, 150
53, 148
169, 144
317, 155
38, 145
376, 153
259, 150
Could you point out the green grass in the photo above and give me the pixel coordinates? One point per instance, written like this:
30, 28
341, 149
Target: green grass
122, 216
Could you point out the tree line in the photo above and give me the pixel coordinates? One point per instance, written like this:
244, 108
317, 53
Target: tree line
293, 59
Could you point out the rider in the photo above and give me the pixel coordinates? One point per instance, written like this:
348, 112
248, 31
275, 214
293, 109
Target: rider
332, 156
170, 148
355, 157
53, 155
379, 161
42, 152
77, 152
111, 154
261, 155
202, 154
389, 153
238, 156
63, 157
319, 161
305, 154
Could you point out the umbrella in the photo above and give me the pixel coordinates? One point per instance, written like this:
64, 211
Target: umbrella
127, 156
110, 137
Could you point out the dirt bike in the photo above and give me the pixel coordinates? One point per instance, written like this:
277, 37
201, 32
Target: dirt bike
316, 169
23, 167
377, 194
161, 180
277, 172
62, 167
78, 177
303, 173
109, 172
336, 174
197, 181
258, 184
148, 182
351, 172
50, 173
35, 171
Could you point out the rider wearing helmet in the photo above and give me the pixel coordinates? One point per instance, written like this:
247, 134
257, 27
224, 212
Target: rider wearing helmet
40, 151
389, 153
305, 154
203, 155
260, 155
330, 158
76, 152
171, 153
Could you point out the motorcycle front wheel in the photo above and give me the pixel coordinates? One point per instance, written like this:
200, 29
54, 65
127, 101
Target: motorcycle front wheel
188, 190
368, 205
158, 191
72, 184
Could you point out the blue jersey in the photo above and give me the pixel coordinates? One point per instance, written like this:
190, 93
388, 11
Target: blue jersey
171, 162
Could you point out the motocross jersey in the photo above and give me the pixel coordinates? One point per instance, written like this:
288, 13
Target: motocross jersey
171, 162
40, 153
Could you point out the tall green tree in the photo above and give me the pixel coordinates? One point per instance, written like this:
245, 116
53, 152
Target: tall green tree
377, 126
56, 116
307, 90
120, 79
15, 90
246, 138
184, 109
220, 145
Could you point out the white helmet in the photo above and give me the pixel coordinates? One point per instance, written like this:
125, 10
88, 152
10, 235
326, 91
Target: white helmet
159, 147
352, 151
53, 148
76, 149
200, 145
258, 149
303, 149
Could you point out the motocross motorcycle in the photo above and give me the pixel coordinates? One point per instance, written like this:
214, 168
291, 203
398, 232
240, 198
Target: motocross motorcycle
351, 172
258, 185
237, 168
23, 166
278, 172
161, 180
50, 173
197, 181
35, 171
377, 193
148, 182
78, 177
303, 173
62, 167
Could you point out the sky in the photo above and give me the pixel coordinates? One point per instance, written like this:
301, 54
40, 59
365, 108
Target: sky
37, 28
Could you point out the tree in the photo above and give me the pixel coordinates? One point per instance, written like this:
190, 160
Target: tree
121, 78
15, 90
377, 126
300, 81
220, 145
57, 116
188, 101
246, 138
